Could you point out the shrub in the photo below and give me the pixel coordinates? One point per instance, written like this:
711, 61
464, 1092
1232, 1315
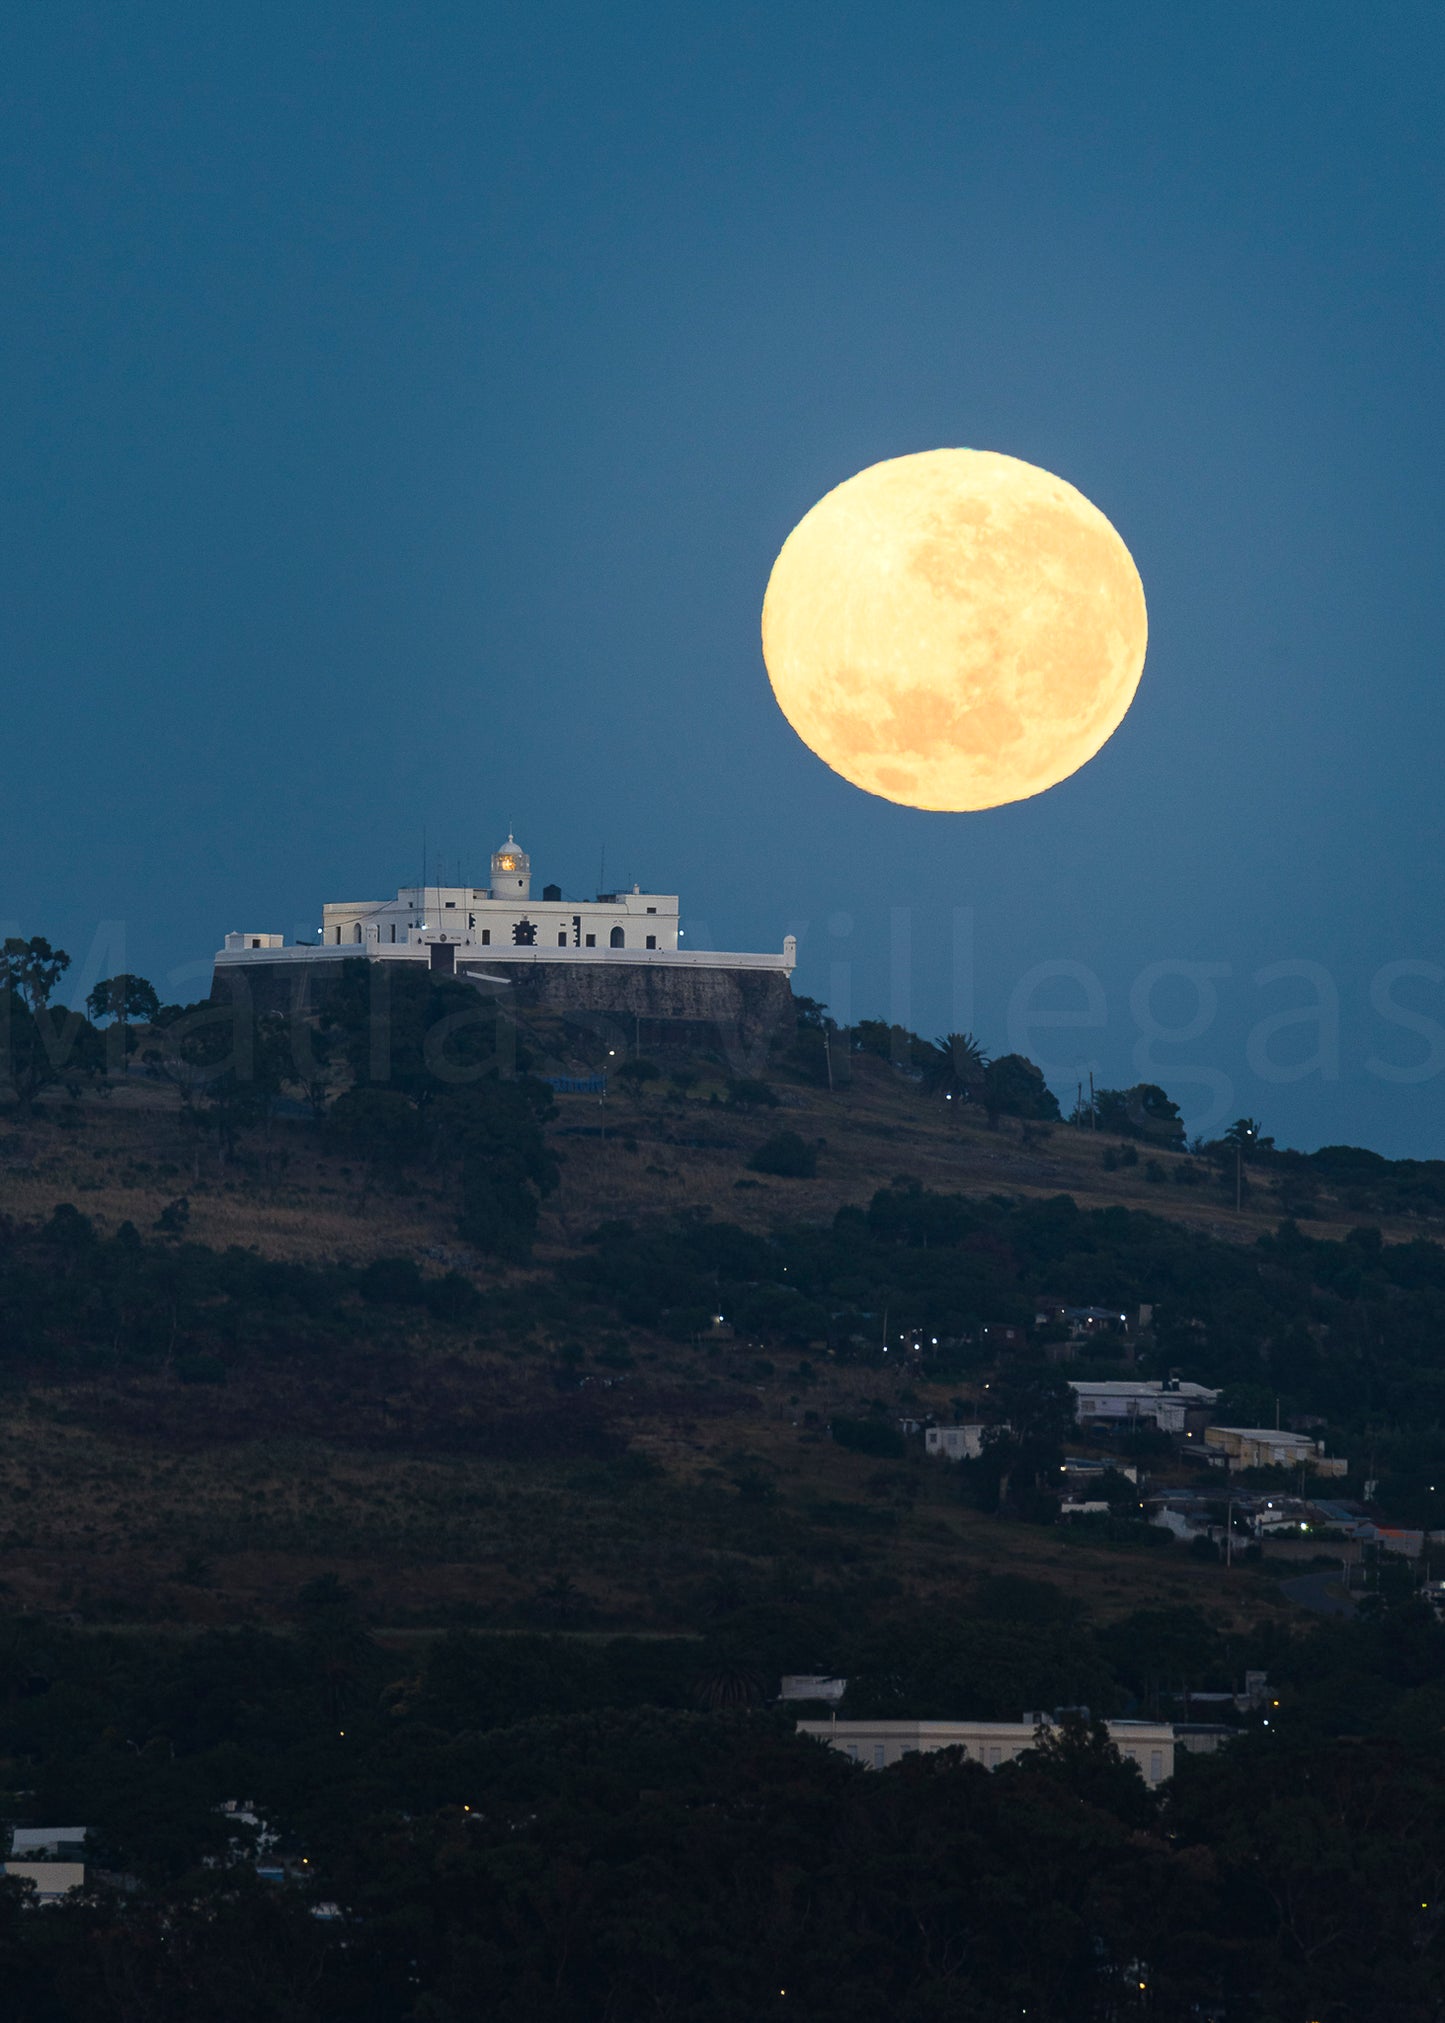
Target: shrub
869, 1436
787, 1155
392, 1281
749, 1094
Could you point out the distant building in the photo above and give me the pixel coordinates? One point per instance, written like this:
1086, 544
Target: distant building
812, 1686
618, 957
51, 1857
1167, 1406
1078, 1470
442, 926
878, 1744
954, 1443
1268, 1447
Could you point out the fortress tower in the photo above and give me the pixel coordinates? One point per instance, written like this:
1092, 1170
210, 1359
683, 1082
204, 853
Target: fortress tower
511, 871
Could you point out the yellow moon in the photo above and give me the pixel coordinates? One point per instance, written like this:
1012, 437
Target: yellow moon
954, 630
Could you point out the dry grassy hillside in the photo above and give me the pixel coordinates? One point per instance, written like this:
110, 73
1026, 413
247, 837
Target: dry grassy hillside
122, 1157
138, 1497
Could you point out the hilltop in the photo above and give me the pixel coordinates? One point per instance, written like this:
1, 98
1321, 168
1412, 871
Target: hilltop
482, 1430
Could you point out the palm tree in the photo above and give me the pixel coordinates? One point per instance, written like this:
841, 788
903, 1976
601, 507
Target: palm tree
721, 1686
957, 1068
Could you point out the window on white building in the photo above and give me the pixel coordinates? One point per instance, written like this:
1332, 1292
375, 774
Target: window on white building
1156, 1766
562, 939
879, 1754
995, 1755
618, 938
486, 937
592, 941
652, 941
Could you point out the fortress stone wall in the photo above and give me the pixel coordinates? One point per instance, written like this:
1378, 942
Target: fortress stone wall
738, 1011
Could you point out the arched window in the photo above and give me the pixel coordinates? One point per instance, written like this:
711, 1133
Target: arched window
618, 940
356, 932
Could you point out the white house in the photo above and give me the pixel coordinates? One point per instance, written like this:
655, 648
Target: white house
1268, 1447
954, 1443
877, 1744
1140, 1402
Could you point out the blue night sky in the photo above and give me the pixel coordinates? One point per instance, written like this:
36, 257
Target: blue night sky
404, 407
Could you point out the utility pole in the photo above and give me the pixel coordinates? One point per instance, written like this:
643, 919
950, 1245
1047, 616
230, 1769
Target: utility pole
1093, 1111
828, 1058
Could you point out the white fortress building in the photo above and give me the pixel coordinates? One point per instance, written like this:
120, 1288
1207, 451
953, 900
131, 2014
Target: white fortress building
503, 917
617, 953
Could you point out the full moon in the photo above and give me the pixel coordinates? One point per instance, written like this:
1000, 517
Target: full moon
955, 629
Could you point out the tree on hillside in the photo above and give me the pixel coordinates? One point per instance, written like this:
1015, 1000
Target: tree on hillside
417, 1033
116, 1003
494, 1131
813, 1054
956, 1068
123, 998
893, 1043
1014, 1087
635, 1075
32, 969
1141, 1112
227, 1064
311, 1062
1020, 1462
39, 1043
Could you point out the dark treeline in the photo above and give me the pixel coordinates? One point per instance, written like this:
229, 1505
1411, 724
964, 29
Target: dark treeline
546, 1827
1346, 1331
